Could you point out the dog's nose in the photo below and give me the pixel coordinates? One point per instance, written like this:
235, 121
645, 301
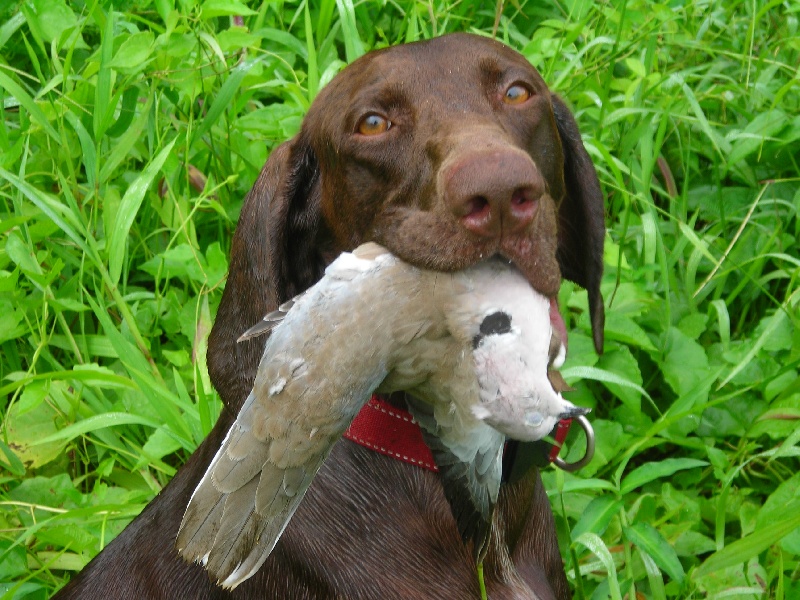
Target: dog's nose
493, 192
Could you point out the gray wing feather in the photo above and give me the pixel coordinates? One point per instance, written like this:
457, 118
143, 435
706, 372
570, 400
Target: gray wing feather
270, 320
471, 488
237, 533
201, 521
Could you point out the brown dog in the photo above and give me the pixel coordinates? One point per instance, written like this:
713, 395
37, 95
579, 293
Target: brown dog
444, 151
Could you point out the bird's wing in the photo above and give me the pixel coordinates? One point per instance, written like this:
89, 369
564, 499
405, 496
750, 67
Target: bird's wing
470, 466
316, 373
270, 320
259, 476
369, 251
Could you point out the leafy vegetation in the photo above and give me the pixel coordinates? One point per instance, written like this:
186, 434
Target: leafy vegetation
130, 133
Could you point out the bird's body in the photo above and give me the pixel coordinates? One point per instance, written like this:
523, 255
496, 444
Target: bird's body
472, 347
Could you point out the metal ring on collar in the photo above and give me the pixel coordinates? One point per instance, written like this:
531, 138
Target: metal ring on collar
578, 464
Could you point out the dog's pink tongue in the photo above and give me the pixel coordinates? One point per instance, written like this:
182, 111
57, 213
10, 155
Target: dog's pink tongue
557, 322
559, 339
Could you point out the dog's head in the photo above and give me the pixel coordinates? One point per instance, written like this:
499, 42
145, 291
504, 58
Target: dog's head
444, 151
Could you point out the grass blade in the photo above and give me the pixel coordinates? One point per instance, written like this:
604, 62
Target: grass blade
597, 546
128, 208
647, 538
747, 547
656, 470
94, 423
223, 100
24, 99
353, 46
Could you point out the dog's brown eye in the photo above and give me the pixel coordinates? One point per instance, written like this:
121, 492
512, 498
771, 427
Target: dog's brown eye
516, 94
374, 124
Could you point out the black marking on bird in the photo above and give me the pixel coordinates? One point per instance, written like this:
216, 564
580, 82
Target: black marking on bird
494, 324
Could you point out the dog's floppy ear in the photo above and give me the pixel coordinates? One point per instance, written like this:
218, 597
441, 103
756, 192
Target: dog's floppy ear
275, 255
581, 222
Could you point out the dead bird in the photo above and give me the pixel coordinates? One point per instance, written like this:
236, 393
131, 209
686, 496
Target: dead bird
473, 348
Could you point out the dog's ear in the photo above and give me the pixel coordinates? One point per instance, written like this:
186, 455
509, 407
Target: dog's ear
275, 254
581, 219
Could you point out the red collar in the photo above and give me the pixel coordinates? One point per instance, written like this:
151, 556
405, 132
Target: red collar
393, 432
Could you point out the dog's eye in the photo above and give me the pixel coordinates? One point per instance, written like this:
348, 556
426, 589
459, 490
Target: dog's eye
373, 124
516, 94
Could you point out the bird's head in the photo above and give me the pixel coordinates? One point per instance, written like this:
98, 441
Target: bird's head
517, 340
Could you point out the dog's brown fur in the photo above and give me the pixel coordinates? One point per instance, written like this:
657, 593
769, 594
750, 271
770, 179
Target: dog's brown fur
460, 174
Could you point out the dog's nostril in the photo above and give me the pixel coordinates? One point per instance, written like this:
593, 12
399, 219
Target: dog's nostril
477, 207
522, 207
520, 197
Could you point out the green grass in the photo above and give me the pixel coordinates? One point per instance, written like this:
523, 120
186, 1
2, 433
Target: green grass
130, 135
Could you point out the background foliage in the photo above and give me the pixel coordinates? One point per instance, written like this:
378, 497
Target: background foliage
130, 133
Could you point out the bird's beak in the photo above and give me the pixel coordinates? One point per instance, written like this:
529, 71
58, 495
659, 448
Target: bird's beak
575, 411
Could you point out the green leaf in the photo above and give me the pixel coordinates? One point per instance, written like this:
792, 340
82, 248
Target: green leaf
311, 50
224, 8
353, 46
160, 399
774, 508
623, 363
721, 145
28, 432
235, 39
88, 148
647, 538
774, 323
598, 547
54, 17
94, 423
574, 373
32, 396
622, 328
25, 100
127, 111
134, 52
14, 464
579, 485
685, 364
129, 137
10, 27
19, 252
656, 470
596, 517
654, 577
129, 206
159, 444
286, 39
179, 261
723, 322
222, 100
102, 90
90, 374
749, 546
68, 304
765, 125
